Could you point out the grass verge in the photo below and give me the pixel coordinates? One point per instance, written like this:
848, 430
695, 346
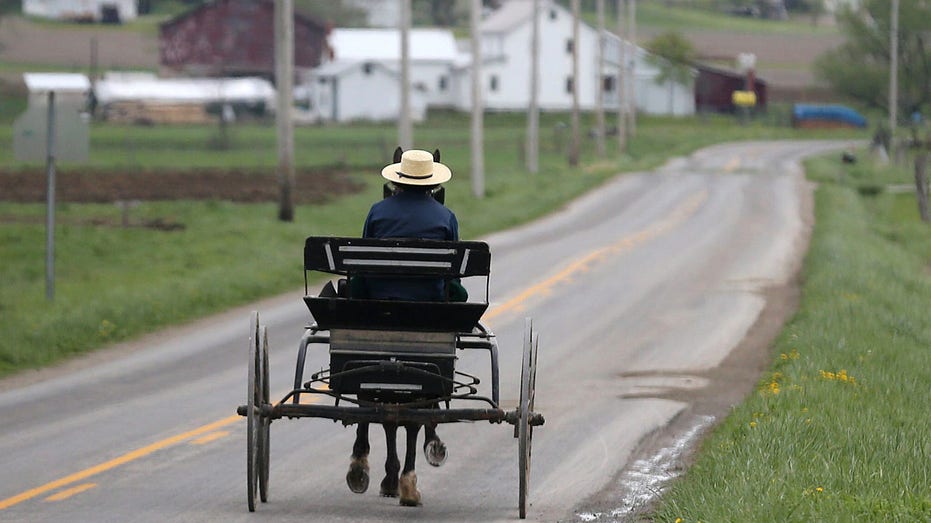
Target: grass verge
838, 429
113, 283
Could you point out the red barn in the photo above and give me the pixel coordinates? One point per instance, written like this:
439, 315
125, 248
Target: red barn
235, 38
714, 89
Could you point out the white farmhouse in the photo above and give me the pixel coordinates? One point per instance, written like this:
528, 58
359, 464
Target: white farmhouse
505, 41
83, 10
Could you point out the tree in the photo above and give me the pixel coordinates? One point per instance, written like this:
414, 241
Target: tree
340, 14
442, 13
673, 55
859, 69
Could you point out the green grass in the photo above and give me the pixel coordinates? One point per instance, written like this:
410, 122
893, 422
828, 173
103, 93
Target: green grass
703, 16
116, 283
839, 428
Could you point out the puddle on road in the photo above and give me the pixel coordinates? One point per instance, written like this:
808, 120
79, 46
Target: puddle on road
641, 484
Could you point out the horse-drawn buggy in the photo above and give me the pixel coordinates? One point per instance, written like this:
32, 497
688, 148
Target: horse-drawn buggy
391, 362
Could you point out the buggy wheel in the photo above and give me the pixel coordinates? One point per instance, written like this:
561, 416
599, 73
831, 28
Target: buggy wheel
524, 429
253, 399
264, 421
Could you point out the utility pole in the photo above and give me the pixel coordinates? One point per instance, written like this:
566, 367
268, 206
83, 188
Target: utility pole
405, 127
893, 76
284, 77
599, 102
574, 146
478, 154
50, 200
621, 80
533, 112
631, 78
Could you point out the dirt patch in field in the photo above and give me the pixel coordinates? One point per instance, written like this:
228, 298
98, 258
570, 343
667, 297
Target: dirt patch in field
248, 186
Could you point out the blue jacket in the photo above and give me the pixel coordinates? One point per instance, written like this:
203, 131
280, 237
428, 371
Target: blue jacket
409, 214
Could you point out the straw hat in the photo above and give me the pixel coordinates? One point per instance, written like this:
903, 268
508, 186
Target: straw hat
417, 168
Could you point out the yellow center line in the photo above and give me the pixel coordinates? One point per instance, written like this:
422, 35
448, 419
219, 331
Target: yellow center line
678, 216
210, 437
65, 494
585, 263
116, 462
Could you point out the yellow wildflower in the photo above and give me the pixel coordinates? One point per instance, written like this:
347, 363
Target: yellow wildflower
106, 328
774, 387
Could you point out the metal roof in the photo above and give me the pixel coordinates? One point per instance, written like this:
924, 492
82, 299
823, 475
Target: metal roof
508, 16
59, 82
385, 44
196, 90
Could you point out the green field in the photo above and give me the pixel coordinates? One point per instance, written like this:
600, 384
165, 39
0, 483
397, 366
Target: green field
707, 16
838, 429
114, 283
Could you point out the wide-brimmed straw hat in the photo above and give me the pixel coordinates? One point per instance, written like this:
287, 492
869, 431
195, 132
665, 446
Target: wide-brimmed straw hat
417, 168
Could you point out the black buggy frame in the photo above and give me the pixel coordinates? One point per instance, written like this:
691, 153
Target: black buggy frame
390, 361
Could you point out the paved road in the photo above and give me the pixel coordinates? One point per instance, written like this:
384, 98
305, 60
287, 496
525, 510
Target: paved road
637, 290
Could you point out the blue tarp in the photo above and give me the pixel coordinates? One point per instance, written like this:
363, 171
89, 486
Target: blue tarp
830, 113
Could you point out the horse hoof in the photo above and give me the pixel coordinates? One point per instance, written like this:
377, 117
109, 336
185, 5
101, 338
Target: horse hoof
358, 476
410, 496
435, 450
389, 487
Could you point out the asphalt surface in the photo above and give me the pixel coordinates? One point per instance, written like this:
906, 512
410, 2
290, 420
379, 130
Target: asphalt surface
639, 291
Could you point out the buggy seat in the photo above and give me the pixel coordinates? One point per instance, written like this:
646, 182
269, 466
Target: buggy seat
386, 348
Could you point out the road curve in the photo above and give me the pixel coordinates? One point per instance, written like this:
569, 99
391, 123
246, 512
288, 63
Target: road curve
639, 291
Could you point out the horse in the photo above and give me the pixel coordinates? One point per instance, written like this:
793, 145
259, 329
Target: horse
403, 486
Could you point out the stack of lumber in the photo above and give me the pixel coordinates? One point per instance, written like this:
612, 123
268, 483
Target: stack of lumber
138, 112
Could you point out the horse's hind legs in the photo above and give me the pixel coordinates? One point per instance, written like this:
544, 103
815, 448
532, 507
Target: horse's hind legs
410, 496
358, 476
389, 485
433, 447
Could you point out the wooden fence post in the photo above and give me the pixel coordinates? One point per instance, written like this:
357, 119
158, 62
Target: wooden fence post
921, 185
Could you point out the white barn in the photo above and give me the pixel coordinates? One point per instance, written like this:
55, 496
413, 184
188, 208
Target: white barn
432, 54
85, 10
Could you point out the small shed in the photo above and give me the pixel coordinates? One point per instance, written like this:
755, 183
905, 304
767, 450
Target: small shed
714, 89
30, 130
235, 38
342, 91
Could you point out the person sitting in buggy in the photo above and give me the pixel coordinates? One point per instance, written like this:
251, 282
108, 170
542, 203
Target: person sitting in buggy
412, 208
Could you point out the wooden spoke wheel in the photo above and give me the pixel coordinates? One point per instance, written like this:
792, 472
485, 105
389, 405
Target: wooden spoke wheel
264, 421
257, 425
528, 377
